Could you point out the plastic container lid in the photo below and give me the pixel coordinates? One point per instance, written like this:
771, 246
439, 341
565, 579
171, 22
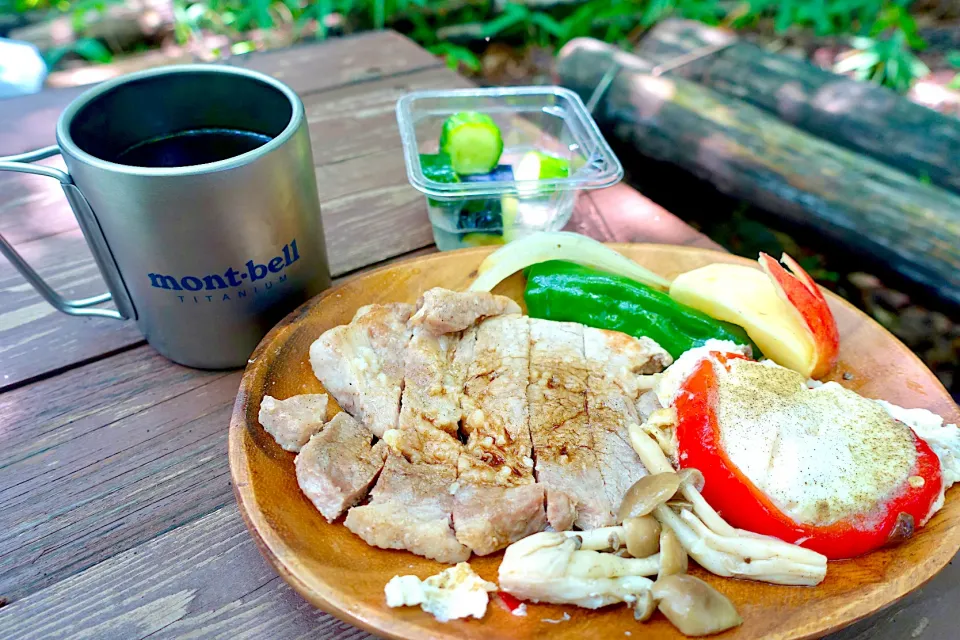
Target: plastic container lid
551, 120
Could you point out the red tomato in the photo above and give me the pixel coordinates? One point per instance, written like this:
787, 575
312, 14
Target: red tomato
745, 506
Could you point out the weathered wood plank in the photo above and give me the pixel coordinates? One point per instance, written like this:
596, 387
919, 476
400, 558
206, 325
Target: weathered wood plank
104, 457
883, 215
356, 120
308, 68
862, 116
34, 337
203, 580
622, 214
33, 207
29, 122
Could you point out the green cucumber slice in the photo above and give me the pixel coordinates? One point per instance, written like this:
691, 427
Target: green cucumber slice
473, 142
437, 167
536, 165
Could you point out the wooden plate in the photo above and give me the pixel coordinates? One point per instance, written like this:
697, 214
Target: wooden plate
338, 572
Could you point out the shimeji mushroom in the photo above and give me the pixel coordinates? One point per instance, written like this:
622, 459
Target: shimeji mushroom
693, 606
640, 536
718, 547
554, 567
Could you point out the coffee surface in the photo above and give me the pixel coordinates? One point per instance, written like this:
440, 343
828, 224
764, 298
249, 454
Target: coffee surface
191, 147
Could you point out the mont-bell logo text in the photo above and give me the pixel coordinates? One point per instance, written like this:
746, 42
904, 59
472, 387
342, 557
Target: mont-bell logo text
253, 278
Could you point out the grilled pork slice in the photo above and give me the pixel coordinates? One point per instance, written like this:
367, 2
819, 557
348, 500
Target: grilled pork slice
430, 408
410, 508
438, 361
442, 311
488, 517
566, 463
495, 403
615, 361
336, 468
291, 422
361, 364
497, 502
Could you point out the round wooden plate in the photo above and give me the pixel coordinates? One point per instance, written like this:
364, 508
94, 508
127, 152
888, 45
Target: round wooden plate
338, 572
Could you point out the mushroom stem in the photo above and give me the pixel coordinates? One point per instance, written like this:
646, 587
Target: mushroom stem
717, 546
653, 458
767, 568
602, 539
592, 565
754, 548
553, 567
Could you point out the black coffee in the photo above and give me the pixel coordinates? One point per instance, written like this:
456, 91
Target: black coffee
187, 148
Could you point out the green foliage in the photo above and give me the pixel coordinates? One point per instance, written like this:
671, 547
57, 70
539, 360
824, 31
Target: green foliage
888, 61
86, 48
954, 59
887, 34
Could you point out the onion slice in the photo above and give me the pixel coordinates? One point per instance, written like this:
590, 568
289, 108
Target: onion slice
559, 245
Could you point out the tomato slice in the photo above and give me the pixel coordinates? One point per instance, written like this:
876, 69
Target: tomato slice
745, 506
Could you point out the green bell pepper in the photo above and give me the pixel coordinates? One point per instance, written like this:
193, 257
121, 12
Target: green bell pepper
568, 292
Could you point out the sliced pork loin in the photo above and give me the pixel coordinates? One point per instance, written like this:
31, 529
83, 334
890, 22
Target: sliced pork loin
566, 463
411, 508
490, 517
497, 502
494, 403
361, 364
542, 406
615, 362
291, 422
441, 311
337, 467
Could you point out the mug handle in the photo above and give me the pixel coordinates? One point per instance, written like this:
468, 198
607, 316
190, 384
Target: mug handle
91, 232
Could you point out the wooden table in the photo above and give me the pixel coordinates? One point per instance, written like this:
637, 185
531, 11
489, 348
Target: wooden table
117, 518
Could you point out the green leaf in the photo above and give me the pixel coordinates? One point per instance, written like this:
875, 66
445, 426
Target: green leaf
92, 50
246, 46
785, 16
955, 83
858, 61
455, 55
512, 16
954, 58
548, 24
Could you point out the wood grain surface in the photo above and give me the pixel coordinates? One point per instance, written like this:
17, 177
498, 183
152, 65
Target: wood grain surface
338, 572
116, 519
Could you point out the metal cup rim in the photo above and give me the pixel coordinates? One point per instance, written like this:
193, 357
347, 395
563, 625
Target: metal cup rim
69, 147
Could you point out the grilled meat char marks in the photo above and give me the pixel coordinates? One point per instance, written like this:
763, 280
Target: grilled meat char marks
614, 361
566, 462
497, 501
498, 425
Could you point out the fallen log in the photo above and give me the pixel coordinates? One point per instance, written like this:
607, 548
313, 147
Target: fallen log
862, 116
862, 204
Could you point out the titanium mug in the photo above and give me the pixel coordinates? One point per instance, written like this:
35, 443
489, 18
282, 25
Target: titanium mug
206, 258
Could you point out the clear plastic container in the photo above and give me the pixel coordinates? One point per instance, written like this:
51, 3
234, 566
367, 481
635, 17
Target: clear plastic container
498, 207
